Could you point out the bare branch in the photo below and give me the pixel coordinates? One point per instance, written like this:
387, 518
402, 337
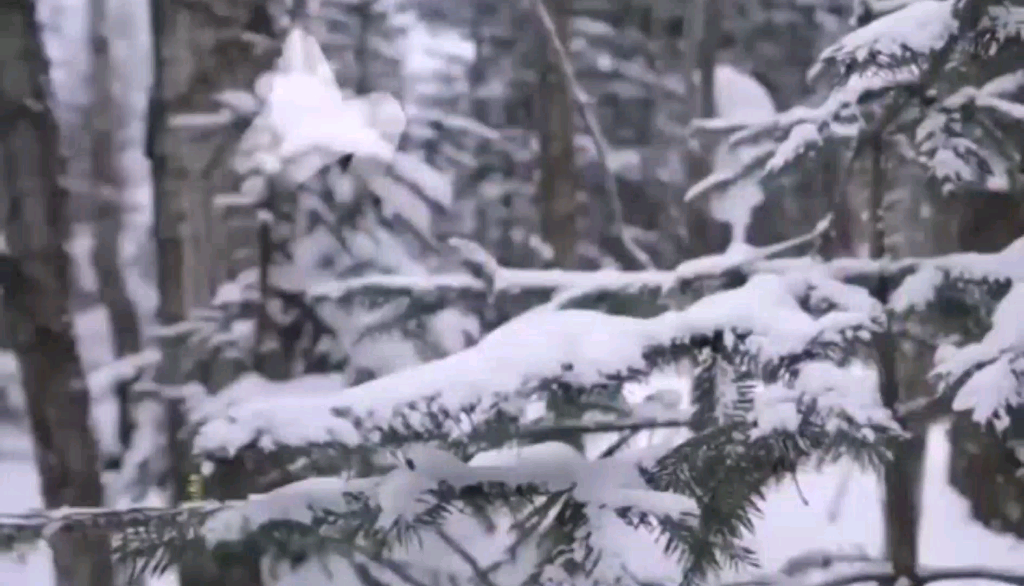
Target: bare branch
625, 251
455, 546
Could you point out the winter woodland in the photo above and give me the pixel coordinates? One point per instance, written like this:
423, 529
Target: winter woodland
411, 292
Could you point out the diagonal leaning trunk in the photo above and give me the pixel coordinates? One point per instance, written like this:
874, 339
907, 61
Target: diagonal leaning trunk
36, 295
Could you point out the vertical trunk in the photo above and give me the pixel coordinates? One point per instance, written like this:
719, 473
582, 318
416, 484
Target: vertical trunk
107, 203
556, 189
982, 467
363, 14
279, 325
704, 234
169, 243
181, 84
204, 47
37, 299
901, 475
671, 213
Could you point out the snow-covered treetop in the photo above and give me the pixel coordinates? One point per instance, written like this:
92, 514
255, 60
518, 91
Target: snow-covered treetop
306, 121
892, 72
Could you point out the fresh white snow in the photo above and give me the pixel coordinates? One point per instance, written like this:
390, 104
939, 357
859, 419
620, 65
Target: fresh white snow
788, 526
499, 374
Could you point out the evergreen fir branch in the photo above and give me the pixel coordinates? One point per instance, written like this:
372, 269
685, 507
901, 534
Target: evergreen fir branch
888, 43
985, 377
325, 514
728, 476
417, 410
158, 530
777, 148
974, 281
379, 289
694, 278
879, 571
880, 70
961, 147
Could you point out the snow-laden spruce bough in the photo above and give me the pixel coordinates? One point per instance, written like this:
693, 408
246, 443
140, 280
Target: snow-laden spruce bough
777, 349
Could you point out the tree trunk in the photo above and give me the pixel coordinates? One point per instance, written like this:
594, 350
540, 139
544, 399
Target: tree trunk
201, 48
556, 190
36, 299
983, 468
705, 235
901, 476
107, 203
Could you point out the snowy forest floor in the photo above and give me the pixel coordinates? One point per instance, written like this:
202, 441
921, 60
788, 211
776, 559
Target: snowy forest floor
788, 527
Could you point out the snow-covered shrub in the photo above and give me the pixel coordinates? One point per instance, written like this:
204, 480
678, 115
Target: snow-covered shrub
337, 203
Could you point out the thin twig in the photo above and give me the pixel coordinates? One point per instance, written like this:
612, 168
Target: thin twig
644, 424
618, 444
625, 251
467, 557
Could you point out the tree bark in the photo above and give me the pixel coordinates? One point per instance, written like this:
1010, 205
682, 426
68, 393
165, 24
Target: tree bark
107, 203
983, 468
36, 298
201, 48
902, 475
705, 235
556, 189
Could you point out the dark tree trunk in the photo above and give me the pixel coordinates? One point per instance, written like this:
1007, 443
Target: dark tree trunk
201, 48
983, 468
704, 234
902, 475
556, 190
36, 298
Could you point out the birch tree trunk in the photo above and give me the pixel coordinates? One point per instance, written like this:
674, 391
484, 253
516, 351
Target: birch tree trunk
107, 204
556, 190
36, 298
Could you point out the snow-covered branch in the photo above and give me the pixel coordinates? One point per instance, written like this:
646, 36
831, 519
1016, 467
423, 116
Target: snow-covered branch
885, 80
418, 494
571, 351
